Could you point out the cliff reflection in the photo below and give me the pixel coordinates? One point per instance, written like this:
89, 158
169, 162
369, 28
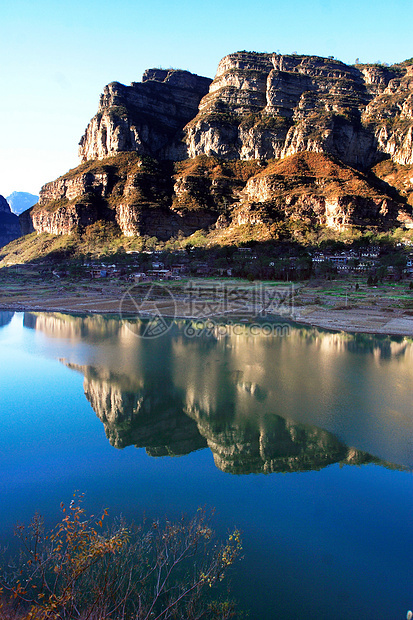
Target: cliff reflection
260, 404
5, 317
132, 413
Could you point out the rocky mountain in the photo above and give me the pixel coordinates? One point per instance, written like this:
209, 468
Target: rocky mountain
20, 201
9, 223
145, 197
273, 141
261, 106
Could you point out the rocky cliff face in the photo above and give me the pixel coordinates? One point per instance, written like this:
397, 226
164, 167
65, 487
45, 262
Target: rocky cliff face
323, 121
272, 106
135, 192
260, 106
313, 189
146, 117
9, 223
144, 197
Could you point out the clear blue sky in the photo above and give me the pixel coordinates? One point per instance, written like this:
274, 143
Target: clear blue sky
56, 57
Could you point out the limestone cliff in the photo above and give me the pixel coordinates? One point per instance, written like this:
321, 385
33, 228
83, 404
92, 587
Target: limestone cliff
146, 117
135, 192
260, 106
271, 106
177, 152
145, 197
314, 189
9, 223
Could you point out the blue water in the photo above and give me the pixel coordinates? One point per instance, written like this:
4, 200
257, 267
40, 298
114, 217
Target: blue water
330, 540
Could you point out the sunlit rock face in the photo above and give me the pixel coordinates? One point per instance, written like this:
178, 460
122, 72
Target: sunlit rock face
390, 114
314, 188
146, 117
258, 108
128, 190
270, 106
162, 200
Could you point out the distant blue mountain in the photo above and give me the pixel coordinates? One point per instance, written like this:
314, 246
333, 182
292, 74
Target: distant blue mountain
20, 201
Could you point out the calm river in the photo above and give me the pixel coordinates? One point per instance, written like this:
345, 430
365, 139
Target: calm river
302, 439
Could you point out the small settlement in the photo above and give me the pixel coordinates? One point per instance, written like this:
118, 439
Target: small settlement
153, 266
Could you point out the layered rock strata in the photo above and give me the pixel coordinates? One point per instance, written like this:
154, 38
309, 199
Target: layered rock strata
322, 120
146, 117
146, 198
262, 106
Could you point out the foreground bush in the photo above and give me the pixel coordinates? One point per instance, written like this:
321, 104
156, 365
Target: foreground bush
79, 570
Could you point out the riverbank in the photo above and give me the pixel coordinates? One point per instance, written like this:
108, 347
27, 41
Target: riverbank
343, 305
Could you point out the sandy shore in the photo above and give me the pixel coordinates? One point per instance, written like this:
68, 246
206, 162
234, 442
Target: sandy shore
335, 306
365, 320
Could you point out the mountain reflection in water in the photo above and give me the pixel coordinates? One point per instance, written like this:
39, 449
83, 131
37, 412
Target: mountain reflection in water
158, 419
260, 404
5, 317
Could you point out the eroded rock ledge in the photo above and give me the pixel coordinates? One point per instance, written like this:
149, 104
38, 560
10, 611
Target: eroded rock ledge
144, 197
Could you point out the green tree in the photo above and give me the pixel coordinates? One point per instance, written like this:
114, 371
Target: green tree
397, 260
